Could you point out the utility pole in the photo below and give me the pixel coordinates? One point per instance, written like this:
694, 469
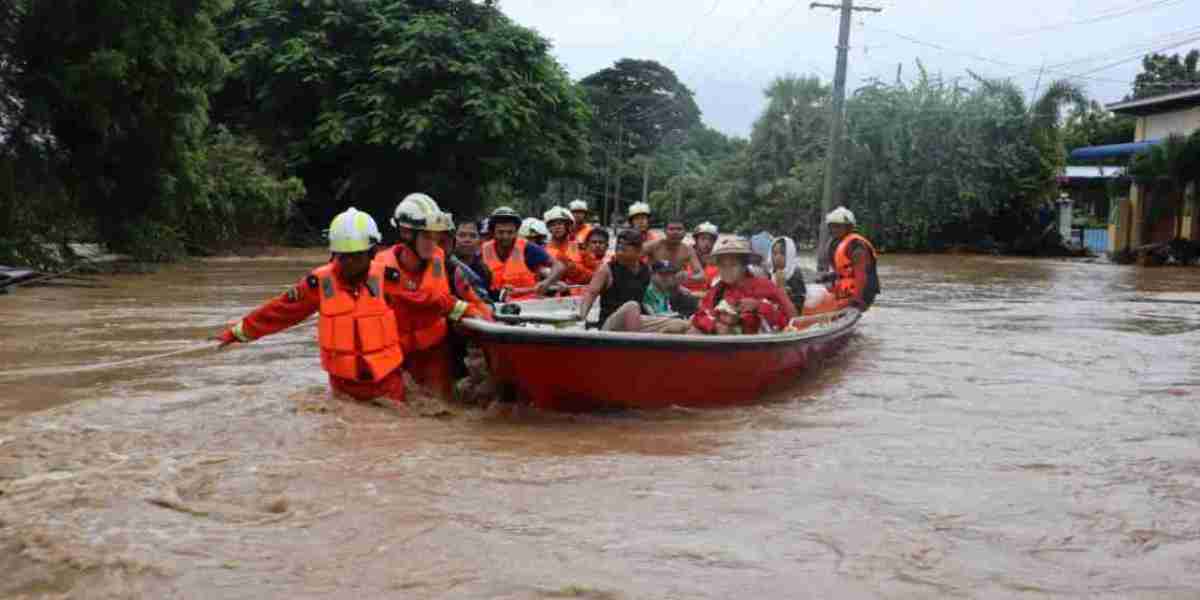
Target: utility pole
645, 177
833, 152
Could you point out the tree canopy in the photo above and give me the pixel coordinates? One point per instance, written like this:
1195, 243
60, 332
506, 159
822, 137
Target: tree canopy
1164, 74
372, 99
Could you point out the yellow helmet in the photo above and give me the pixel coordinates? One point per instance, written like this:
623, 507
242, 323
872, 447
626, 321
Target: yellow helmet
558, 213
639, 208
353, 231
416, 211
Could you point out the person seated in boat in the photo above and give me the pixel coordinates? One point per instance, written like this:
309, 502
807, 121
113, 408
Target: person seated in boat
467, 259
359, 340
664, 296
785, 270
853, 279
534, 231
620, 285
580, 229
760, 261
515, 263
564, 248
595, 252
762, 307
703, 239
639, 219
673, 249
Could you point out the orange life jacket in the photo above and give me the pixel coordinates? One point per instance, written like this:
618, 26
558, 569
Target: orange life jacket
513, 272
845, 288
581, 235
710, 273
420, 327
355, 331
567, 253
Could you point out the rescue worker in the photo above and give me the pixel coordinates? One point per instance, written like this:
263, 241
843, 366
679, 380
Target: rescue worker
762, 307
620, 284
419, 287
356, 327
514, 263
534, 231
853, 280
563, 247
581, 228
703, 239
672, 248
639, 219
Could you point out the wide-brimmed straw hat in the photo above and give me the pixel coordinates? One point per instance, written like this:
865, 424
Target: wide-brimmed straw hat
734, 246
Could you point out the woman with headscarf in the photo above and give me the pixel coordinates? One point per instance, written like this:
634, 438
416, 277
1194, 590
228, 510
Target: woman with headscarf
785, 270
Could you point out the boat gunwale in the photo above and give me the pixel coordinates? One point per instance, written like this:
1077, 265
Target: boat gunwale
514, 335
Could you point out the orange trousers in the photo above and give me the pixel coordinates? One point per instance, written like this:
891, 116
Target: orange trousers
432, 369
390, 387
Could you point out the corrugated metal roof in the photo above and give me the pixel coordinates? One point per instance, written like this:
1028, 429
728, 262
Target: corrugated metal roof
1157, 104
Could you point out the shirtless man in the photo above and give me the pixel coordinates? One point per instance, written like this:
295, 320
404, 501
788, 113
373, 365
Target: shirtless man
672, 248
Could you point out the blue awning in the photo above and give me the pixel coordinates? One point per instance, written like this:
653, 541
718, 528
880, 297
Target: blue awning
1111, 150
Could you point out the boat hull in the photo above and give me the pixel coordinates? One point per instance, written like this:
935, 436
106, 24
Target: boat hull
575, 370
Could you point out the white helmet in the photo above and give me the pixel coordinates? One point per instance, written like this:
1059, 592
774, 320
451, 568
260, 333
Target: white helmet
577, 205
531, 227
353, 231
706, 228
416, 211
639, 208
840, 216
444, 221
558, 213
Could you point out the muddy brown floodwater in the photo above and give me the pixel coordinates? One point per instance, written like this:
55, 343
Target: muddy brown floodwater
998, 428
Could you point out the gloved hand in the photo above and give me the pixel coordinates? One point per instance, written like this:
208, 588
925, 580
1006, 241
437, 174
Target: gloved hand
226, 337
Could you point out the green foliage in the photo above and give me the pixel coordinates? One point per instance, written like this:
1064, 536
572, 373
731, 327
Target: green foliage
1164, 74
1169, 165
120, 89
376, 98
246, 202
1095, 126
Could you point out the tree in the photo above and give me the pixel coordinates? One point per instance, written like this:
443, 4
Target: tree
1166, 170
1163, 74
372, 99
642, 98
1097, 127
120, 88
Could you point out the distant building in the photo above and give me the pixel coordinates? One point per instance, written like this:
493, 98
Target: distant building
1145, 217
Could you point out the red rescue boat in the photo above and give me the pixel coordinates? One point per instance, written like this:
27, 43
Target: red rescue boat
577, 370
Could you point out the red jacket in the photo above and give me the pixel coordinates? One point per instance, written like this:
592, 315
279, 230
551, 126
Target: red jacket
776, 309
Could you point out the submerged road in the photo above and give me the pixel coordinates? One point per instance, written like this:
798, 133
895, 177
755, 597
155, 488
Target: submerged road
997, 428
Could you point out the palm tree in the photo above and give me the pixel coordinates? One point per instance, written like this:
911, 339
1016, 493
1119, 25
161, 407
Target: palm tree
1167, 169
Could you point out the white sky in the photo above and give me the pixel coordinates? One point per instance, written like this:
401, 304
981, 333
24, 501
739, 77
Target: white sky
727, 51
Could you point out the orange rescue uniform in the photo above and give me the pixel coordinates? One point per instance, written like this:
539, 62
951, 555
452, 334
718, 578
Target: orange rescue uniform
513, 272
421, 301
567, 253
581, 234
356, 330
710, 274
852, 280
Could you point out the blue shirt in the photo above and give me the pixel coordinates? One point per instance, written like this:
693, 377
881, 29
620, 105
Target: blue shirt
536, 256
